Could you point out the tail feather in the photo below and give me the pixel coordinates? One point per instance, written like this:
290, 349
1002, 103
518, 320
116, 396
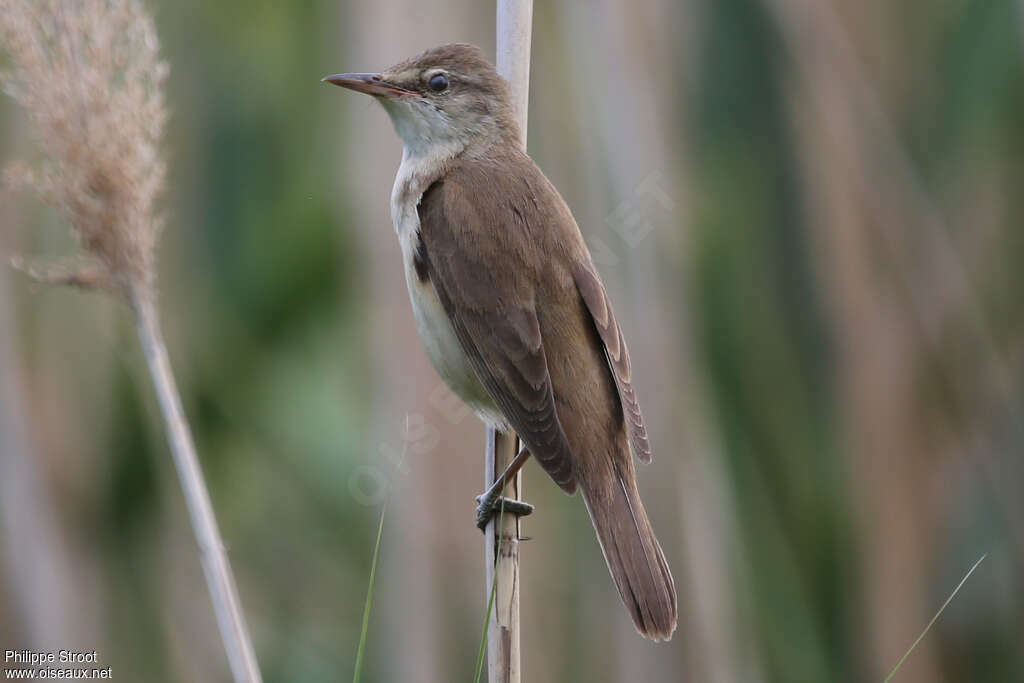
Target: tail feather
634, 556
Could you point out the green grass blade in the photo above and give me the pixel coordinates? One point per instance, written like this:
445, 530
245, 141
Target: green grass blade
934, 619
490, 600
369, 597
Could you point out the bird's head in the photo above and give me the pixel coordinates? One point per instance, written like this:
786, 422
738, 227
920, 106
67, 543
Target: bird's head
448, 97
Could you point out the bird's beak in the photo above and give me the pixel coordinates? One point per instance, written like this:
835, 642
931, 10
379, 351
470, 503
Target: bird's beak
371, 84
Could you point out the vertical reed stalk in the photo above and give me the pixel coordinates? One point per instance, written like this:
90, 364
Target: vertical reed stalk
502, 567
212, 554
514, 19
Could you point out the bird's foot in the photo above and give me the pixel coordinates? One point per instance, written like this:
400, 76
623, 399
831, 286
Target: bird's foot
491, 505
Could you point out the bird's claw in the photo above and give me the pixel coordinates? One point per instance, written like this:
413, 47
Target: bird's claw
488, 508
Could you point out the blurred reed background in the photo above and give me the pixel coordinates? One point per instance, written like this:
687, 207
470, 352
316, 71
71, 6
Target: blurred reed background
805, 213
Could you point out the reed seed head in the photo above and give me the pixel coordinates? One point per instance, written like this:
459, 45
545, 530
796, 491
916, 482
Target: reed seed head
90, 77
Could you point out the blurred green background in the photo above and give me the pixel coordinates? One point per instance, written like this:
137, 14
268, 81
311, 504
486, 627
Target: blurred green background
804, 211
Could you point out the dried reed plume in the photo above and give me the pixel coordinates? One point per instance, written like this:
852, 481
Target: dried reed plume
89, 74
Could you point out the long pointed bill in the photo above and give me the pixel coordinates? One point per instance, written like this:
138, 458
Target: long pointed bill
371, 84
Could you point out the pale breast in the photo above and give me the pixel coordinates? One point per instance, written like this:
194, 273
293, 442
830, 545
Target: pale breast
435, 330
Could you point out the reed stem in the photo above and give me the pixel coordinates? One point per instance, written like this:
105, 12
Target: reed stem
214, 559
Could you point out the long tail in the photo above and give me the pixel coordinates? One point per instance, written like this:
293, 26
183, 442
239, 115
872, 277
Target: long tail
633, 554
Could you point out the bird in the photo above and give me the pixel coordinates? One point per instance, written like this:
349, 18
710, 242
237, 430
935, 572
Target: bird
510, 307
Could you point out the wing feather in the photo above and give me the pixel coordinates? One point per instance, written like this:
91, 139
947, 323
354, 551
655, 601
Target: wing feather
596, 299
495, 321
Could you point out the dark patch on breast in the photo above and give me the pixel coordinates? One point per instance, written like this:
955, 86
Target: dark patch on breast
421, 261
420, 257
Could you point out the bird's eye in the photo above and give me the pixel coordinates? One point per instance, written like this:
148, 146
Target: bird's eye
438, 83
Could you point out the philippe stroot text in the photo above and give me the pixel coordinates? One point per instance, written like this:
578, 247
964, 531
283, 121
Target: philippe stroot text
68, 665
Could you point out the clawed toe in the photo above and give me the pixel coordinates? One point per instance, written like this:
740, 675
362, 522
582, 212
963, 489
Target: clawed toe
488, 509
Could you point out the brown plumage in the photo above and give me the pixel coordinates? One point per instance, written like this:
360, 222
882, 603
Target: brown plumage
495, 242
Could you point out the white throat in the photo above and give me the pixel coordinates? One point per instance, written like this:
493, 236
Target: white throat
424, 129
428, 146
